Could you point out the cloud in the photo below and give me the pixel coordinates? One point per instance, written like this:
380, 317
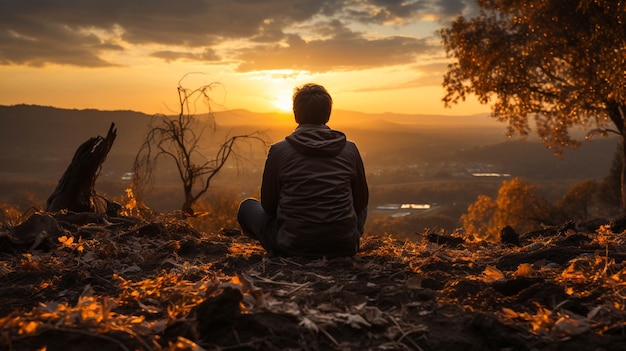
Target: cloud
65, 32
81, 33
406, 11
168, 55
42, 43
450, 9
387, 11
344, 51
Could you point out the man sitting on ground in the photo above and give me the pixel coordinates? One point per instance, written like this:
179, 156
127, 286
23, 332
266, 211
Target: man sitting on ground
314, 193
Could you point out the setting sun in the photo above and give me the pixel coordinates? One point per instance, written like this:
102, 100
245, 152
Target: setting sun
283, 103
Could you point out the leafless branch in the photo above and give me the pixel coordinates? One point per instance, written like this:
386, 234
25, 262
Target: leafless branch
178, 139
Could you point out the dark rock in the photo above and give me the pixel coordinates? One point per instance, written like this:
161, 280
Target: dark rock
38, 231
34, 226
508, 236
618, 225
195, 246
230, 232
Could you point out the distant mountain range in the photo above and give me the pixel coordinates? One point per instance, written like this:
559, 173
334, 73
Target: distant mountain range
50, 132
352, 119
42, 140
53, 128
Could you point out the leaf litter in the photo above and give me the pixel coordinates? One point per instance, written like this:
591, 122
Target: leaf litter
121, 283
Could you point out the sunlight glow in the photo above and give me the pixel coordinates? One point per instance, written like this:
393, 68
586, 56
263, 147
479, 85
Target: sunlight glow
283, 103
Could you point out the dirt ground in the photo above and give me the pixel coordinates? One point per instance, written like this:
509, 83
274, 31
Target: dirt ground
77, 281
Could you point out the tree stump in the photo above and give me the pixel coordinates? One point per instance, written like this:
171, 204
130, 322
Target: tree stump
76, 188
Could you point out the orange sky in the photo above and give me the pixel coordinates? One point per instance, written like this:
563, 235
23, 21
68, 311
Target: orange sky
373, 56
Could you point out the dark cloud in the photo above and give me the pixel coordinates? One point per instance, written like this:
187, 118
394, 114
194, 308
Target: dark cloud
404, 11
168, 55
346, 50
40, 43
335, 29
192, 23
80, 33
451, 9
393, 10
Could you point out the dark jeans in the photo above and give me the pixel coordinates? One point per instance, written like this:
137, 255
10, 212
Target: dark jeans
257, 224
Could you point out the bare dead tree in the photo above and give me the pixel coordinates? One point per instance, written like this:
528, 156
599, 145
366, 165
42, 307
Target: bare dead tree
178, 139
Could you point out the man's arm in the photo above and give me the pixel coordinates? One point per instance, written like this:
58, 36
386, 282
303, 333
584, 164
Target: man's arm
270, 188
360, 191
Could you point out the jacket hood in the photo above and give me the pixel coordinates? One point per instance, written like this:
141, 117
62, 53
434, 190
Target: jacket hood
317, 140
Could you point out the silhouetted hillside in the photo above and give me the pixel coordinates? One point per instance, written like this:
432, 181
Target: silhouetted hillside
352, 119
40, 141
38, 138
48, 128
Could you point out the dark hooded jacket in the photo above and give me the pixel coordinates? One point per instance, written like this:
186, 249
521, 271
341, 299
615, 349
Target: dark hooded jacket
314, 183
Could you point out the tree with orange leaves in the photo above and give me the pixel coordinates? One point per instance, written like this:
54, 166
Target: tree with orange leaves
560, 62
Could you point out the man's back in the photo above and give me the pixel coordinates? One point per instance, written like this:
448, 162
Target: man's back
314, 193
316, 179
314, 183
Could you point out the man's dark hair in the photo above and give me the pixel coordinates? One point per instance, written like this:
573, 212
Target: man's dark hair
312, 104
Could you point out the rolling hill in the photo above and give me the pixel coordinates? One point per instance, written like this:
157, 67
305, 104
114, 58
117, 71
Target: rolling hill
40, 141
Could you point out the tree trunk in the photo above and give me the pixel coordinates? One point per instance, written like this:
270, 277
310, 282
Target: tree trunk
616, 113
76, 188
